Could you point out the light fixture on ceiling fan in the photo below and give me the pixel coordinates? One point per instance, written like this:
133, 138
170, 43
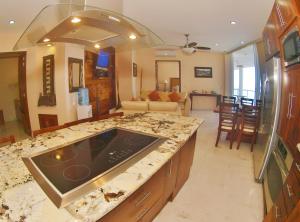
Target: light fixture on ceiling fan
191, 47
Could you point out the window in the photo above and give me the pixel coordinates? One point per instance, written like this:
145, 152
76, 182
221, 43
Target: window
244, 73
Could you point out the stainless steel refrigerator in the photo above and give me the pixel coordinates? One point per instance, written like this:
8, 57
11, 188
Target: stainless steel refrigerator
267, 139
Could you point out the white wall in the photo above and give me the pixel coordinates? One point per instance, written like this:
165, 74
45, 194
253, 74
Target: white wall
9, 88
65, 102
145, 59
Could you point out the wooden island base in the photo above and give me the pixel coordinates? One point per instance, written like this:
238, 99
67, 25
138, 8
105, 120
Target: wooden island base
145, 203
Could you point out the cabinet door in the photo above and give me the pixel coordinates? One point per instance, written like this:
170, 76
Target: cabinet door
171, 175
291, 192
285, 13
278, 211
186, 154
293, 130
270, 36
285, 105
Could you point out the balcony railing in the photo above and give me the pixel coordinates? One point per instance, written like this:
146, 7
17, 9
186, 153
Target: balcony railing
246, 93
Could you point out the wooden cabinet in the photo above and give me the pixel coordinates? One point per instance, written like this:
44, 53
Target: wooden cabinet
47, 120
285, 12
186, 154
271, 44
139, 203
289, 126
278, 212
171, 176
145, 203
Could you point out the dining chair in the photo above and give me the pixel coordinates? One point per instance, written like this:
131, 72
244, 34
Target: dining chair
76, 122
47, 130
229, 99
7, 139
247, 102
227, 121
107, 116
258, 103
249, 124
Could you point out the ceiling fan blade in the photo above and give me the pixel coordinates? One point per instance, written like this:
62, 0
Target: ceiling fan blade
203, 48
192, 44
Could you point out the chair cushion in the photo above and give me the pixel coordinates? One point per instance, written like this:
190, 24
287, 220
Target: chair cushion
174, 97
135, 105
163, 106
154, 96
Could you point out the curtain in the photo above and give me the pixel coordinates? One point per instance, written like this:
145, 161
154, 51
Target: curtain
229, 74
257, 73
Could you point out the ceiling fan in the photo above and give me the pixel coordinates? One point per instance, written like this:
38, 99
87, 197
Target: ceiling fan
191, 47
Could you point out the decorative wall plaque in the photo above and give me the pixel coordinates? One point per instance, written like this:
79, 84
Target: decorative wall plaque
48, 97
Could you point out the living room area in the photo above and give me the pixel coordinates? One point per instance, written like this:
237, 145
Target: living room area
139, 111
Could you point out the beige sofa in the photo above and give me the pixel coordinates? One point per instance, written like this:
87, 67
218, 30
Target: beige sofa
184, 103
129, 107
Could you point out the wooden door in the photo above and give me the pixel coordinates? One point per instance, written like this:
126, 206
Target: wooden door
285, 13
23, 94
102, 93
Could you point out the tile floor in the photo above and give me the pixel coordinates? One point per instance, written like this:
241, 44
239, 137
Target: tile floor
221, 187
13, 128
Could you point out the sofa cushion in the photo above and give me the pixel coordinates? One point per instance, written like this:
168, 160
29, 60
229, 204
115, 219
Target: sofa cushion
154, 96
174, 97
135, 105
164, 96
163, 106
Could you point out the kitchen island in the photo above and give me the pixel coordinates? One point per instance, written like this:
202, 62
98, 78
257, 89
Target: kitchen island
23, 200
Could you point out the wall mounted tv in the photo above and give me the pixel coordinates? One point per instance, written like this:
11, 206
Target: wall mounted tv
102, 64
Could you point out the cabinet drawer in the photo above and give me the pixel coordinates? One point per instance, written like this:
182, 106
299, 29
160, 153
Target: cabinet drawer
279, 210
296, 169
291, 192
140, 202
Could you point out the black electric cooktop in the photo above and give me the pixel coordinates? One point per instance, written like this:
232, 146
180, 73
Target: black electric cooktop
71, 166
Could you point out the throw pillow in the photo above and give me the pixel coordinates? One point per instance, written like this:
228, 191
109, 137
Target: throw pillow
154, 96
174, 97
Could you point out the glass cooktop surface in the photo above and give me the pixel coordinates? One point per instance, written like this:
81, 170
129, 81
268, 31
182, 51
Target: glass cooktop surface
71, 166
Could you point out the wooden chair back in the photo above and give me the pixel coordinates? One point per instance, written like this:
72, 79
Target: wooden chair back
247, 101
258, 103
7, 139
228, 112
107, 116
78, 122
227, 120
46, 130
229, 99
250, 118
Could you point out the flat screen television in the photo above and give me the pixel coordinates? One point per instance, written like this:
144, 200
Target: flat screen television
102, 64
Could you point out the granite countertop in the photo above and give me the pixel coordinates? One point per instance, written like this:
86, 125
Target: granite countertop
22, 199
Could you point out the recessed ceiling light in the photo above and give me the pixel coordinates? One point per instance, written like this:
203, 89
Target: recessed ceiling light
114, 18
242, 42
46, 40
75, 20
49, 45
97, 46
233, 22
217, 44
11, 22
132, 36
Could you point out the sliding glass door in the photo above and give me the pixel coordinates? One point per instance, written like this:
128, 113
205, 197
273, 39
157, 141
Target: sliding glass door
244, 78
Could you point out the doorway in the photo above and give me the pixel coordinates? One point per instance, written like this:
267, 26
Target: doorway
14, 105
